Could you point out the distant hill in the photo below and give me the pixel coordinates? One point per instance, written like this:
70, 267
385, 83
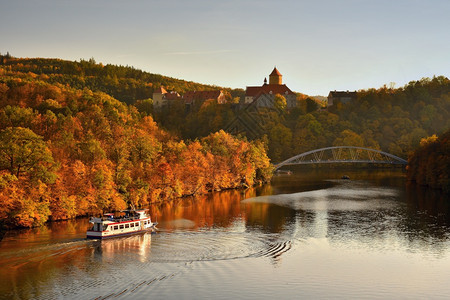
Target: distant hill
124, 83
320, 99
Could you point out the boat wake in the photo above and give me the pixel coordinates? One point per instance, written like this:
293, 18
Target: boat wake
39, 253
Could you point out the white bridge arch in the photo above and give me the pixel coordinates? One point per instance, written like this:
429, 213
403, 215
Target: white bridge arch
343, 154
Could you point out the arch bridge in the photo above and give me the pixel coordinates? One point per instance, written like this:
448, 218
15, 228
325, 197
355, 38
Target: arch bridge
343, 154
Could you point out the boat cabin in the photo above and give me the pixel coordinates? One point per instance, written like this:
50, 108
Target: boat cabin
131, 221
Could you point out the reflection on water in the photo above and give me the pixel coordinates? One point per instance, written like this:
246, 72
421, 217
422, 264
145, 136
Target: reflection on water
112, 249
308, 234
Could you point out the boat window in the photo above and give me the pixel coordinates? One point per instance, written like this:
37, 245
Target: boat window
132, 225
137, 224
116, 227
127, 225
121, 226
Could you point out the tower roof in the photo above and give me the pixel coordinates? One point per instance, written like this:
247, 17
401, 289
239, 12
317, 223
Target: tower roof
275, 72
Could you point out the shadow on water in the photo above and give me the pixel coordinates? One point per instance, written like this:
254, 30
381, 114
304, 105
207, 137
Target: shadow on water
428, 214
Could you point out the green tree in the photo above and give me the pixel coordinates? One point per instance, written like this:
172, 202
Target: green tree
280, 102
280, 140
15, 116
311, 105
349, 138
145, 106
24, 153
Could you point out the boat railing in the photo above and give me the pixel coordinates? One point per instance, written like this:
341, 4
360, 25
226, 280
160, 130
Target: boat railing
121, 219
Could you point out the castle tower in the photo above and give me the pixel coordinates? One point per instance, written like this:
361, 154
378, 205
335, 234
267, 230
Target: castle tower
275, 77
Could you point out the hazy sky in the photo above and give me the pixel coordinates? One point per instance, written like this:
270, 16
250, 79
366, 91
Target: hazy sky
318, 45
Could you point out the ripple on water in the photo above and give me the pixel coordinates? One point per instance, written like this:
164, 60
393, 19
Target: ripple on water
211, 246
127, 267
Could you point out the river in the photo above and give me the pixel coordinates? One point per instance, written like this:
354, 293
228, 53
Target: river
306, 235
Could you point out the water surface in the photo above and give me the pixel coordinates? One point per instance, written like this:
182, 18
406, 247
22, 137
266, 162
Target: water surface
307, 235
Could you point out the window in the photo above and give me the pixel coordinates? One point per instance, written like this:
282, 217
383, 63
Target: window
132, 225
127, 225
116, 227
121, 226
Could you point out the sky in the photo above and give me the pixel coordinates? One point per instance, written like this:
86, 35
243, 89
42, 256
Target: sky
318, 45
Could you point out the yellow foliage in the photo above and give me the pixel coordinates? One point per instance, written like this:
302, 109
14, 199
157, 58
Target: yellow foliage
428, 140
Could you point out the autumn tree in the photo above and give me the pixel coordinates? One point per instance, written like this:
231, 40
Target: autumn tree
24, 153
349, 138
280, 102
429, 164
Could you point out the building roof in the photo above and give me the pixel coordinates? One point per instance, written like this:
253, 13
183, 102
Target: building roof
172, 95
160, 90
338, 94
275, 72
189, 97
281, 89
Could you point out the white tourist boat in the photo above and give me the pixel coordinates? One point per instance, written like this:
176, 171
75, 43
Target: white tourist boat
134, 221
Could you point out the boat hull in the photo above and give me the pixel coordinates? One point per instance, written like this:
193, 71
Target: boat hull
106, 235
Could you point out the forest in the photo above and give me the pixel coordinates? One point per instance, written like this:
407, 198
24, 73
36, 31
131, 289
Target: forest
82, 138
388, 119
68, 152
124, 83
430, 164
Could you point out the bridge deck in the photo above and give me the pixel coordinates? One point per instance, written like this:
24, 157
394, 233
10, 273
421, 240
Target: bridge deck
343, 154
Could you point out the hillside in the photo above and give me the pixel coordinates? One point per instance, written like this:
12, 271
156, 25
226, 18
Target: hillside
67, 152
124, 83
392, 120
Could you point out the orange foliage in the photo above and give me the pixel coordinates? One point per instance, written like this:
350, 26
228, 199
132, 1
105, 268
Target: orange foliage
105, 156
